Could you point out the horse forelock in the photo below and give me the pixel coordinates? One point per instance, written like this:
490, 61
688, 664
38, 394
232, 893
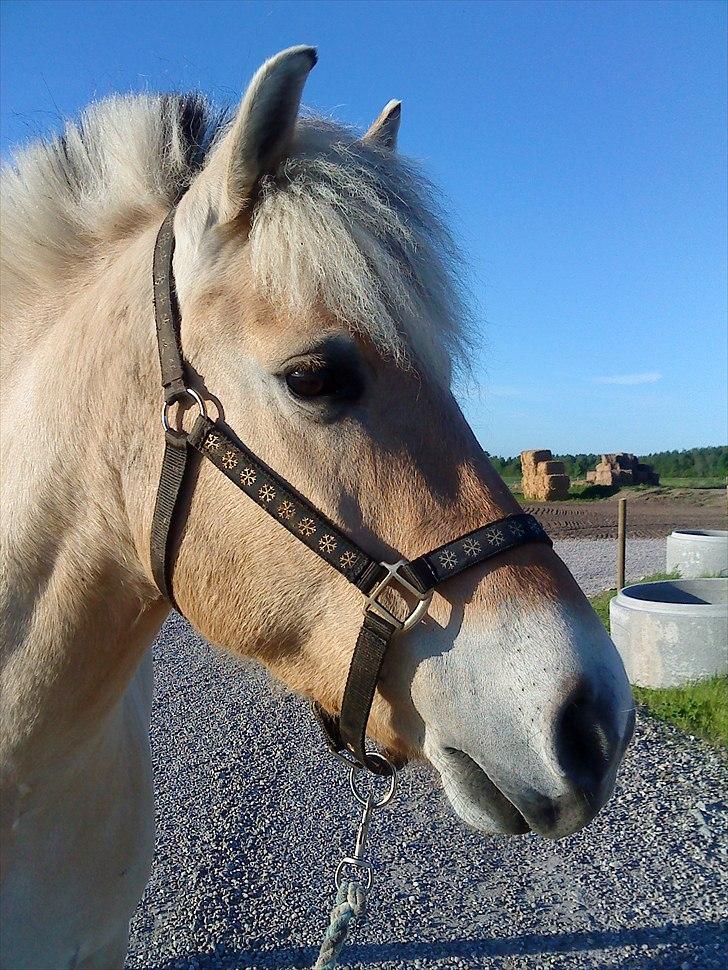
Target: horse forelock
342, 224
352, 227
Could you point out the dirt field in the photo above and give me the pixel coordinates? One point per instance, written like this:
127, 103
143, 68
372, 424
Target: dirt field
652, 513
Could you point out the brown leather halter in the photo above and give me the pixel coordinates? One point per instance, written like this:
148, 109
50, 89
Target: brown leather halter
415, 579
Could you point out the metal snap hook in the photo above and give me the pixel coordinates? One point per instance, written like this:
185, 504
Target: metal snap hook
370, 804
364, 869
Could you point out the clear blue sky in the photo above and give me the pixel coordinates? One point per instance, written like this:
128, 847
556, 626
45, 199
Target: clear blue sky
582, 147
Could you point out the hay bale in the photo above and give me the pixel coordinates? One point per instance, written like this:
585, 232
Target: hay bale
543, 478
644, 475
557, 486
531, 458
622, 468
550, 468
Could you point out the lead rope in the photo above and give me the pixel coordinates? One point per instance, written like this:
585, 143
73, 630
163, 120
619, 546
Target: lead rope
350, 903
351, 893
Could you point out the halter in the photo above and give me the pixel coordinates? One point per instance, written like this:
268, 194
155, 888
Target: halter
415, 579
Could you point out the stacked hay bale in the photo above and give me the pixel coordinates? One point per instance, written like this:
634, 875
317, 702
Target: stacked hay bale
622, 469
543, 478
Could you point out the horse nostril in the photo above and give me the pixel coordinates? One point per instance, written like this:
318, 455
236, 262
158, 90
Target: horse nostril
587, 741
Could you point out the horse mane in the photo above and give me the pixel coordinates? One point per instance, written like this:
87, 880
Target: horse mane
65, 198
343, 224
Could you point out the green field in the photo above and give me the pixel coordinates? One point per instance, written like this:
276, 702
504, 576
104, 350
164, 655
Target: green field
700, 708
717, 482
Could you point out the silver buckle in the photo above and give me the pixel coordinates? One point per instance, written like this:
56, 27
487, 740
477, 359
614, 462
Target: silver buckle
372, 605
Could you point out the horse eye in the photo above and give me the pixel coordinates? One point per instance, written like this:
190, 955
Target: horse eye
311, 381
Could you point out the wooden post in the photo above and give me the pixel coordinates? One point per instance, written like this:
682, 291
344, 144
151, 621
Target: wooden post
621, 542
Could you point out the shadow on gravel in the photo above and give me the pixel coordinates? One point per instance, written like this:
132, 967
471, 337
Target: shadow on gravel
707, 940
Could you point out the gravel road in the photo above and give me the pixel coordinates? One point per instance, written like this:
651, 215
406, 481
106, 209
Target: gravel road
253, 817
594, 561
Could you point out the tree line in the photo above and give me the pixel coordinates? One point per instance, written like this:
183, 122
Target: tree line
691, 463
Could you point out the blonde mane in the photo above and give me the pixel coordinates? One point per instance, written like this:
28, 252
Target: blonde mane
343, 225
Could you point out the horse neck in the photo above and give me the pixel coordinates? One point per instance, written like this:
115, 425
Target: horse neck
79, 610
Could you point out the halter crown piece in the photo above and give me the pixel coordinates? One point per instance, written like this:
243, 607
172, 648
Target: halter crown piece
345, 734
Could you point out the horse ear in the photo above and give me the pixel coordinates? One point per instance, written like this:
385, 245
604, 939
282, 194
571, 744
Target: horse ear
384, 130
262, 131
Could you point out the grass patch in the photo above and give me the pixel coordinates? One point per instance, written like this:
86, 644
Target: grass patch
700, 708
694, 482
600, 602
586, 492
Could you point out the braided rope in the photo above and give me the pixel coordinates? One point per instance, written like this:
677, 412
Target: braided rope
350, 903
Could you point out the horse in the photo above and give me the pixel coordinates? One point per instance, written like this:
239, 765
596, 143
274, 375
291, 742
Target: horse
321, 300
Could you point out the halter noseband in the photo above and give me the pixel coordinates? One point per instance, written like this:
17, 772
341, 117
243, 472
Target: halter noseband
416, 579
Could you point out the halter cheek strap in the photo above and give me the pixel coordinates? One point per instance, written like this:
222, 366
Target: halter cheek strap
415, 579
171, 364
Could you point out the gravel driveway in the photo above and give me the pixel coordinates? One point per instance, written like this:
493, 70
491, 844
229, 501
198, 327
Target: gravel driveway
253, 817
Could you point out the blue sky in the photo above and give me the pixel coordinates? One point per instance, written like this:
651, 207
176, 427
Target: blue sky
581, 148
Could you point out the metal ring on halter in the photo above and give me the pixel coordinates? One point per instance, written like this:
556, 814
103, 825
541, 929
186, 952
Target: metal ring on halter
190, 392
389, 793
